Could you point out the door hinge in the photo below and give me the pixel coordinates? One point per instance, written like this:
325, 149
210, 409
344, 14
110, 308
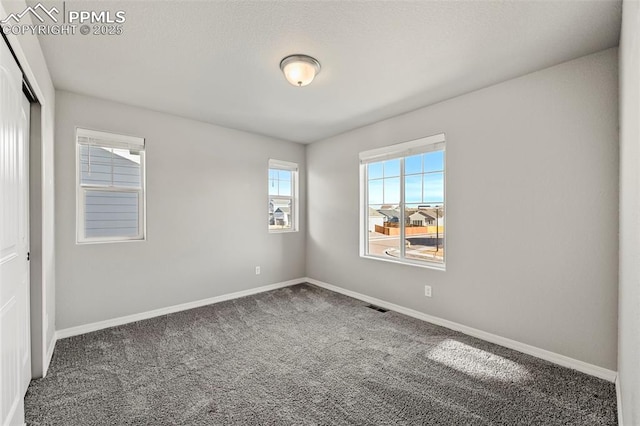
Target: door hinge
28, 256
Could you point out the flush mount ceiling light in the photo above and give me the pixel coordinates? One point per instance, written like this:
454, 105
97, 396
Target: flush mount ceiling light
299, 70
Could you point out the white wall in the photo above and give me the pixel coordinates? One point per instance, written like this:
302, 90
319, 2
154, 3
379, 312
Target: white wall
540, 154
206, 185
629, 291
30, 56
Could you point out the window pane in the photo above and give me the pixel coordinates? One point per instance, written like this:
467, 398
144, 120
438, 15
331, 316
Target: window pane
433, 187
126, 168
282, 190
434, 161
285, 188
392, 168
109, 167
424, 233
111, 192
280, 213
413, 164
413, 189
284, 174
375, 192
273, 187
111, 214
411, 208
95, 165
374, 170
392, 191
384, 231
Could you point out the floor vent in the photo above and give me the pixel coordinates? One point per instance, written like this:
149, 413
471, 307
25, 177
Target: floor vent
377, 308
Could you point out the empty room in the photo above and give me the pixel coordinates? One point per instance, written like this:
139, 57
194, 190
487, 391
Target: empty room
320, 212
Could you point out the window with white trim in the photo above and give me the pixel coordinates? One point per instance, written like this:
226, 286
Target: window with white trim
403, 202
283, 196
110, 187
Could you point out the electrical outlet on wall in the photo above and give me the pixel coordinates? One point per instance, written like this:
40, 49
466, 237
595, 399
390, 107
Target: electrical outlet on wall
257, 270
427, 290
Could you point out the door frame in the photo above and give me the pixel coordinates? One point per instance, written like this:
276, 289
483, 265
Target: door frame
41, 351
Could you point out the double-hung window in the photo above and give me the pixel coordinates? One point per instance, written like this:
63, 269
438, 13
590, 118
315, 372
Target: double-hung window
403, 202
110, 187
283, 196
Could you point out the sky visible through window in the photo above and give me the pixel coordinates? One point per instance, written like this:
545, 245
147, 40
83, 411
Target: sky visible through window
424, 180
279, 182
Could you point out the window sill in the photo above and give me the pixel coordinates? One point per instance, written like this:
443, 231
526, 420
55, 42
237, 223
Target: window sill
132, 240
435, 266
282, 231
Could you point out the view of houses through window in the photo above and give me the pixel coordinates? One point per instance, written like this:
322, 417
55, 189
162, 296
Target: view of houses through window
282, 193
405, 199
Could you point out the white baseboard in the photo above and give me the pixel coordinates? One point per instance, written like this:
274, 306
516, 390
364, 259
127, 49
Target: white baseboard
619, 400
100, 325
49, 354
553, 357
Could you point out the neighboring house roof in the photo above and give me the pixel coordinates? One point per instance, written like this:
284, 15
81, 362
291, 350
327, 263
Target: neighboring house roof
390, 213
275, 205
279, 201
432, 211
374, 213
429, 215
283, 210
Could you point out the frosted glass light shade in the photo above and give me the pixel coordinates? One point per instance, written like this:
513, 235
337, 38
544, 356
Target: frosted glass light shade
299, 70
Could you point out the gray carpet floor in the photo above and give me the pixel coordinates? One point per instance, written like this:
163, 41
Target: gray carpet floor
303, 355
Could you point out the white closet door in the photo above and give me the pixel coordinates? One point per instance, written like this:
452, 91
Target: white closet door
15, 353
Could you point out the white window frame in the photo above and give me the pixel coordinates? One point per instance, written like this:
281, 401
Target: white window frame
109, 140
399, 151
293, 168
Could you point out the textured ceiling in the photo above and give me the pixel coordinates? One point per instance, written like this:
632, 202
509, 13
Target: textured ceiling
217, 61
